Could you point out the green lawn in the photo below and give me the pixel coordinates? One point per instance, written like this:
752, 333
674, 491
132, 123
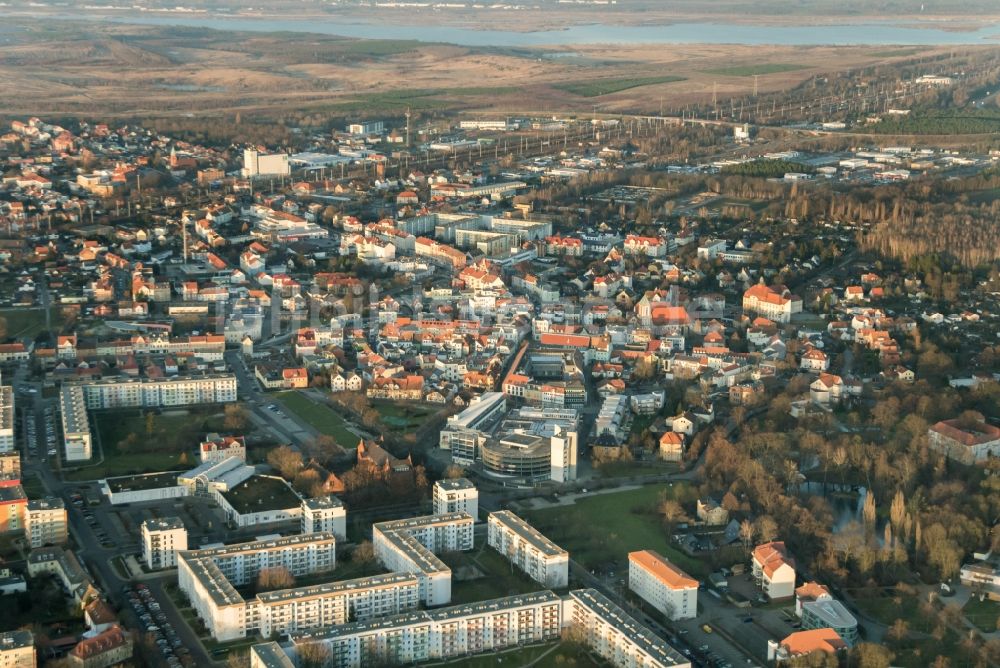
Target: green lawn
563, 655
28, 322
498, 580
600, 531
629, 469
134, 443
322, 418
598, 87
402, 417
984, 614
888, 608
750, 70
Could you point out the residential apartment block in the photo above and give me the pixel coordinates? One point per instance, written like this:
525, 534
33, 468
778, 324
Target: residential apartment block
774, 570
614, 635
45, 522
475, 628
330, 604
208, 576
162, 539
528, 549
17, 649
326, 514
411, 546
456, 495
661, 584
7, 418
75, 424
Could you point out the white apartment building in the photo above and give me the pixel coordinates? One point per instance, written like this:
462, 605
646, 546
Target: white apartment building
661, 584
7, 419
529, 550
158, 392
207, 576
615, 635
774, 570
162, 539
17, 650
475, 628
75, 424
324, 514
411, 546
269, 655
457, 495
331, 604
45, 522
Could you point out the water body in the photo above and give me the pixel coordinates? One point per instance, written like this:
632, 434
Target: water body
869, 34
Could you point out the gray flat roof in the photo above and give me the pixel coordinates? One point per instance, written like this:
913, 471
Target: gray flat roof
527, 532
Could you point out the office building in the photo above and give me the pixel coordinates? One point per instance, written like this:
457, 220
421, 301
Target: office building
17, 649
45, 522
661, 584
162, 539
411, 546
818, 609
462, 433
528, 549
456, 495
326, 514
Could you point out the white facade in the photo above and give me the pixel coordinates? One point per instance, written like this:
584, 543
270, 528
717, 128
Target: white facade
75, 425
208, 576
160, 392
615, 635
411, 546
6, 419
325, 514
45, 522
664, 586
316, 606
162, 539
529, 550
774, 570
458, 495
475, 628
259, 164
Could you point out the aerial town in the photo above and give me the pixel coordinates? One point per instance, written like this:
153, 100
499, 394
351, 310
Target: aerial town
497, 390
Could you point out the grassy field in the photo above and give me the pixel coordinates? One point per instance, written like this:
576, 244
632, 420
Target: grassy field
402, 416
600, 531
984, 614
561, 655
629, 469
322, 418
598, 87
498, 580
750, 70
133, 443
28, 322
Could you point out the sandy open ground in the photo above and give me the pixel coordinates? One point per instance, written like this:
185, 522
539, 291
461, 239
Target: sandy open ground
92, 70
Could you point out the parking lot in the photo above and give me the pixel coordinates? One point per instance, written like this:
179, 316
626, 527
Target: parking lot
162, 633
